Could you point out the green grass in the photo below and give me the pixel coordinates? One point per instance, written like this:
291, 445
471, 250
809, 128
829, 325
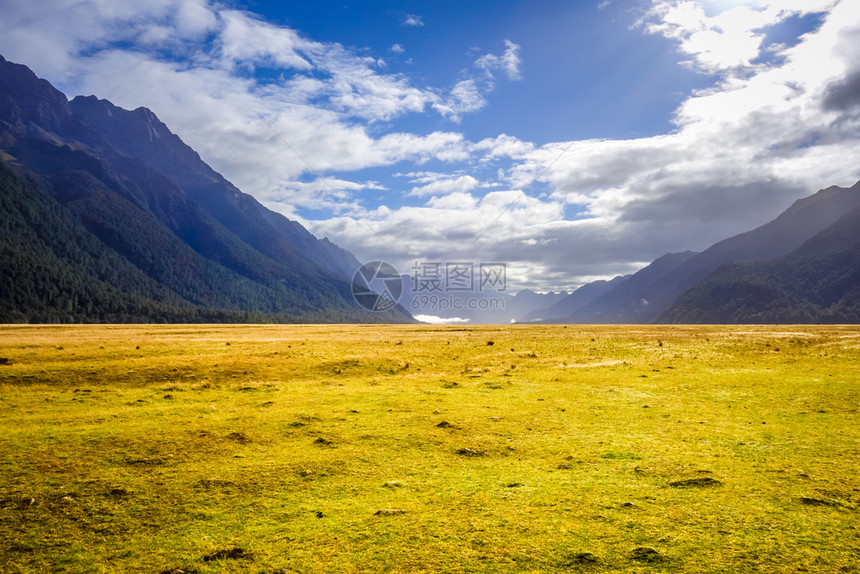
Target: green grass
277, 449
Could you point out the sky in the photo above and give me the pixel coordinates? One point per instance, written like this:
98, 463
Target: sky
569, 140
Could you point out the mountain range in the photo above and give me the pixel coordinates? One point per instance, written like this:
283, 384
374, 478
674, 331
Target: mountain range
802, 267
106, 215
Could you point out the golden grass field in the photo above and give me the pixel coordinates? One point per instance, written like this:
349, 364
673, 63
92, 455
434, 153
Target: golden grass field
274, 449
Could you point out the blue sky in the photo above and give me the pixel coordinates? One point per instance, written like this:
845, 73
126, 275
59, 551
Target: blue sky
571, 140
581, 71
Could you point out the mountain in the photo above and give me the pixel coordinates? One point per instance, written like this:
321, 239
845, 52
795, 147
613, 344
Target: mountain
819, 282
115, 218
644, 298
476, 305
526, 302
576, 300
141, 134
629, 299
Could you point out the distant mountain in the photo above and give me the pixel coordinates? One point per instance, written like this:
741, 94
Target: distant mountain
628, 301
819, 282
116, 219
576, 300
525, 302
482, 306
644, 298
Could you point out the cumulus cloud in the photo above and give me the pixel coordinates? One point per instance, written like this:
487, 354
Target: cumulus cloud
465, 97
503, 146
245, 40
508, 63
335, 195
470, 94
843, 93
445, 184
729, 39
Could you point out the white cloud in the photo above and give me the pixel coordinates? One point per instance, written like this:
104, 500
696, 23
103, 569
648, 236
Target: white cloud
467, 96
454, 200
508, 63
445, 185
729, 39
332, 194
413, 20
195, 18
503, 146
246, 40
397, 48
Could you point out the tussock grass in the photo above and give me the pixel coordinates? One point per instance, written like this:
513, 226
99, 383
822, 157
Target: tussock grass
425, 449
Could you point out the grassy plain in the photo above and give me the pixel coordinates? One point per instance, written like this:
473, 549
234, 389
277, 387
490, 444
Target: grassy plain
276, 449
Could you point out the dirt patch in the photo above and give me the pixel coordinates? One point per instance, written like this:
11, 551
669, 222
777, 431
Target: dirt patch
229, 554
470, 452
239, 437
702, 481
389, 512
811, 501
584, 558
646, 554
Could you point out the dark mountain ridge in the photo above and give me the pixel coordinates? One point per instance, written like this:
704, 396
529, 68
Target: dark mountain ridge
819, 282
139, 133
128, 188
650, 292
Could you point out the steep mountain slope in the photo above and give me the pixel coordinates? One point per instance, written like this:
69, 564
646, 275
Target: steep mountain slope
796, 225
54, 270
817, 283
141, 134
135, 193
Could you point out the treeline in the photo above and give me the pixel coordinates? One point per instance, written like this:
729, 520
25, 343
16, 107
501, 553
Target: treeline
817, 283
53, 270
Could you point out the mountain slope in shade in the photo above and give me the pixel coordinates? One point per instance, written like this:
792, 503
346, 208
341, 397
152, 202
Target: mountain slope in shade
139, 133
796, 225
576, 300
630, 298
143, 196
817, 283
54, 270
